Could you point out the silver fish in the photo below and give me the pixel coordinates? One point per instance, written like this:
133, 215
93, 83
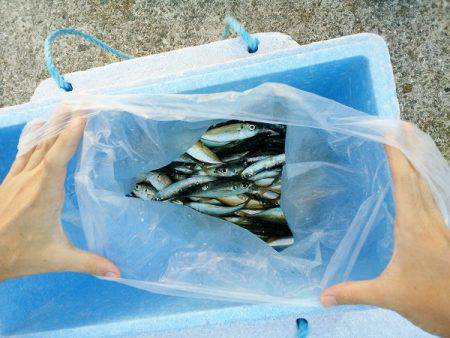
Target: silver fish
202, 172
157, 179
264, 164
266, 193
222, 188
281, 243
202, 153
185, 158
178, 176
183, 169
234, 131
214, 210
177, 188
238, 220
276, 188
274, 215
233, 200
205, 200
177, 202
186, 168
265, 182
254, 159
266, 174
144, 191
212, 144
247, 212
256, 204
225, 170
235, 157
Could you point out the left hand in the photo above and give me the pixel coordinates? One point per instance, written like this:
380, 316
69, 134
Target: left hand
32, 239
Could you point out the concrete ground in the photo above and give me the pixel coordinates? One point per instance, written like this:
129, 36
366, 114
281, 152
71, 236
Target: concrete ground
416, 31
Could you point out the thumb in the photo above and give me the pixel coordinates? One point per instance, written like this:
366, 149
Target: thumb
86, 262
360, 292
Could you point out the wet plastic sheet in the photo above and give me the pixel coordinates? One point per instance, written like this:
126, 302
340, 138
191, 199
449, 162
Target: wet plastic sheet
336, 187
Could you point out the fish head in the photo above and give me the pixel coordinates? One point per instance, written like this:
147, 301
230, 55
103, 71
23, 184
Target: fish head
143, 191
249, 126
242, 186
220, 171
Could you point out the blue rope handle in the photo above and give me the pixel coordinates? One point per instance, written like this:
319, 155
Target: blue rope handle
67, 31
302, 325
230, 22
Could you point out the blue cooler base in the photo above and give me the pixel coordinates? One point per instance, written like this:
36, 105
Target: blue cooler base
355, 71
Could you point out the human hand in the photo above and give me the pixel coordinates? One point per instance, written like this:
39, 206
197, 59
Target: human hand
32, 239
416, 283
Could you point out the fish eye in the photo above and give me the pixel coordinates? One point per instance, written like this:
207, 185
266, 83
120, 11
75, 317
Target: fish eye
251, 127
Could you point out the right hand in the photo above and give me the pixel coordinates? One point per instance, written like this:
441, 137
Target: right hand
416, 283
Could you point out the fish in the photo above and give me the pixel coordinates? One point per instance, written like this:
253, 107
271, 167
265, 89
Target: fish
264, 164
237, 220
222, 188
225, 170
213, 144
185, 158
233, 200
266, 193
235, 157
276, 186
178, 176
144, 191
266, 174
206, 200
232, 172
256, 204
175, 201
274, 215
185, 168
202, 153
280, 243
254, 159
235, 131
175, 189
247, 212
279, 128
265, 182
270, 230
157, 179
214, 210
255, 143
263, 229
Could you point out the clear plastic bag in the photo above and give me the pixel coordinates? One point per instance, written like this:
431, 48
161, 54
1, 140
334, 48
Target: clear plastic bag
336, 186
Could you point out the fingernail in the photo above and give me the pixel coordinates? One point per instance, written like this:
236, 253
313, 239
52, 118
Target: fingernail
111, 274
328, 301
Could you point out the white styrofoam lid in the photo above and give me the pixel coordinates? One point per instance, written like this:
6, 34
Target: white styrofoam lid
171, 63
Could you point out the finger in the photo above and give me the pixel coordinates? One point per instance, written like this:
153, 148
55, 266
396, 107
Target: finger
404, 177
86, 262
66, 144
19, 164
347, 293
37, 156
21, 161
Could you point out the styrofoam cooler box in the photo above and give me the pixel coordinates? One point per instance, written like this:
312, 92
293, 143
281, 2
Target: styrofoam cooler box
353, 70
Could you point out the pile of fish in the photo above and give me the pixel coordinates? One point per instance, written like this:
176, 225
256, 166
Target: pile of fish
232, 172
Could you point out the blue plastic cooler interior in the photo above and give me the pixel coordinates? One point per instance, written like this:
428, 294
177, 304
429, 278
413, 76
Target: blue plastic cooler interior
354, 71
